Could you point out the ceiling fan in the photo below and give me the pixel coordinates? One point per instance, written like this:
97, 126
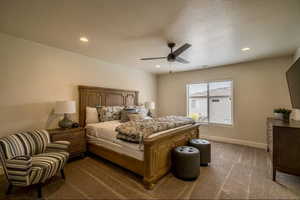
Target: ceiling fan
174, 55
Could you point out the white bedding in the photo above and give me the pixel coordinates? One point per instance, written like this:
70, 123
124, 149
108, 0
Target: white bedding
104, 130
126, 148
104, 134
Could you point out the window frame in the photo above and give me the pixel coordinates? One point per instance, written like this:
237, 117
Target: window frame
208, 98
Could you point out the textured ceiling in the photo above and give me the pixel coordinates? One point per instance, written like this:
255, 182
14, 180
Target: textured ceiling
122, 31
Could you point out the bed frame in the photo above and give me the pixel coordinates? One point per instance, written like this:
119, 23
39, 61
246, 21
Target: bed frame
157, 149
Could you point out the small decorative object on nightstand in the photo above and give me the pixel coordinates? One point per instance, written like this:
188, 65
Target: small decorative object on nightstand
65, 107
282, 113
76, 136
150, 105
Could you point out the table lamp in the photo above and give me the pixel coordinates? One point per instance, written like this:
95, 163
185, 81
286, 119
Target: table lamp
150, 105
65, 107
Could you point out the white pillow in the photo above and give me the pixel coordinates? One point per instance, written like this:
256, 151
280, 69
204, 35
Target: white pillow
91, 115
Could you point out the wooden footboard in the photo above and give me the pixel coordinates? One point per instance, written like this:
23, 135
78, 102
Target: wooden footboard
158, 150
157, 154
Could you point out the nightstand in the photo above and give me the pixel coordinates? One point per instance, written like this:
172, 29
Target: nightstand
76, 136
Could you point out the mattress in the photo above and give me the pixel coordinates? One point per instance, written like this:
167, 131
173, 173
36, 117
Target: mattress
104, 134
126, 148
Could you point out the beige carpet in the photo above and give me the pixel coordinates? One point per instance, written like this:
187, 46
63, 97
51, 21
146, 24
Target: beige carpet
236, 172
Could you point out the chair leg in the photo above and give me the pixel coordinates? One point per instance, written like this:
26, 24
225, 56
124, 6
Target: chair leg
39, 190
274, 174
8, 191
62, 173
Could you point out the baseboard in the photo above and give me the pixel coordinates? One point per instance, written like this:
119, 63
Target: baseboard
235, 141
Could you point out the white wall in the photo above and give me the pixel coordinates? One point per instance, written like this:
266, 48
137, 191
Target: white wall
259, 87
34, 76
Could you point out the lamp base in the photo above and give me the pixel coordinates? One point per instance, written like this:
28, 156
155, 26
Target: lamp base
149, 113
65, 122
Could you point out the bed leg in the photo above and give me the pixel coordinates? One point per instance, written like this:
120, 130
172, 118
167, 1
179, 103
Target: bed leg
148, 184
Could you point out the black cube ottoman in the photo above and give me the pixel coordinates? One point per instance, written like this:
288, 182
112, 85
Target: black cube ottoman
185, 162
205, 150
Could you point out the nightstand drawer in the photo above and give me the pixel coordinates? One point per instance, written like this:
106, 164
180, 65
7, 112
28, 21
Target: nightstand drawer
77, 147
75, 136
62, 136
79, 135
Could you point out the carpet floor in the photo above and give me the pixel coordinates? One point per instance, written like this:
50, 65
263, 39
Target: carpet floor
236, 172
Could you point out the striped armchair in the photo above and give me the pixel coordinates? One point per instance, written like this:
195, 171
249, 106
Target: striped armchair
29, 158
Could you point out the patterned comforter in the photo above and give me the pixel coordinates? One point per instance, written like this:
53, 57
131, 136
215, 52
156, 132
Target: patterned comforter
136, 131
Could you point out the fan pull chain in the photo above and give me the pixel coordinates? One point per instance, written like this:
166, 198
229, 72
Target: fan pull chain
170, 68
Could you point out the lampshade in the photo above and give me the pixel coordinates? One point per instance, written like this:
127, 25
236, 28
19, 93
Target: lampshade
65, 107
150, 105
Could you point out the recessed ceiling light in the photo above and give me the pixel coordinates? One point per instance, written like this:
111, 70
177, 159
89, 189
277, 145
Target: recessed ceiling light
157, 66
84, 39
245, 49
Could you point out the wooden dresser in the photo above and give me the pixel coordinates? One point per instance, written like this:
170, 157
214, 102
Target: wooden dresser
76, 136
283, 140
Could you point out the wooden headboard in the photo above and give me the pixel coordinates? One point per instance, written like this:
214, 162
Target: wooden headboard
95, 96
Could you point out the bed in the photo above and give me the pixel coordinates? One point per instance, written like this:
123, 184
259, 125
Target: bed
152, 160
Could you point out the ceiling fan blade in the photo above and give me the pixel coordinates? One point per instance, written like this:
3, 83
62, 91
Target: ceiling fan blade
154, 58
181, 60
181, 49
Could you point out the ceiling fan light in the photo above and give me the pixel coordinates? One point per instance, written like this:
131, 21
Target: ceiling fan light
245, 49
83, 39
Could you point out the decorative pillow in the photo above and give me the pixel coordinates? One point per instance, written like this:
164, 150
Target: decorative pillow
142, 110
125, 112
129, 138
91, 115
136, 116
109, 113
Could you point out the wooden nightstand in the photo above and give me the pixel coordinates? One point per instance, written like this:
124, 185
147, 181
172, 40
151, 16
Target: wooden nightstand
74, 135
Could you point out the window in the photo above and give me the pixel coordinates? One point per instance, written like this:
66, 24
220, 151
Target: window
211, 102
